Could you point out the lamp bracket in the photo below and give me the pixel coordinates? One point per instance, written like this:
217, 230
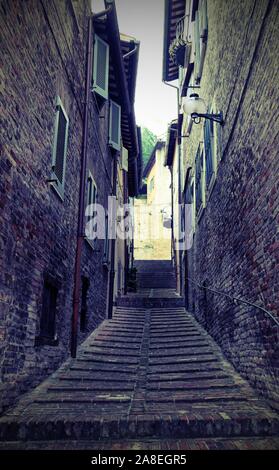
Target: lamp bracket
212, 117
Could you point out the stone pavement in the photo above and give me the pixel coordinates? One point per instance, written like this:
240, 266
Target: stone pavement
150, 378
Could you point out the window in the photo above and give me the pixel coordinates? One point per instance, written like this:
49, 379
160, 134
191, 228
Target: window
91, 228
114, 126
101, 67
200, 181
83, 311
124, 159
47, 333
59, 150
106, 243
200, 38
197, 47
190, 198
209, 151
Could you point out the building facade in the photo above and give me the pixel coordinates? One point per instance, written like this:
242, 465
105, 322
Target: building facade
67, 109
152, 209
226, 53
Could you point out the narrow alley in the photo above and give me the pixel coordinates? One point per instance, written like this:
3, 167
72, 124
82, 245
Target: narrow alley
139, 251
149, 378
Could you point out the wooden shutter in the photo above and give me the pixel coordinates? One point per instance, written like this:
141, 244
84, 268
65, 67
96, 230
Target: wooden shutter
124, 159
59, 150
114, 125
91, 201
208, 144
203, 18
106, 242
197, 47
199, 180
101, 67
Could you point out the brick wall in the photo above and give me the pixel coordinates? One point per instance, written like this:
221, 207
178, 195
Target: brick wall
43, 53
235, 248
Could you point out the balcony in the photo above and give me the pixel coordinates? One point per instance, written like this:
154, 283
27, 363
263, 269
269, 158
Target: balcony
179, 50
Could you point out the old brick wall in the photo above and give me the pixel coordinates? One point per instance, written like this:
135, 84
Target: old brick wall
235, 247
43, 54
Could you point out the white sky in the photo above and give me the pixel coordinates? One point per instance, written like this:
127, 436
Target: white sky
155, 104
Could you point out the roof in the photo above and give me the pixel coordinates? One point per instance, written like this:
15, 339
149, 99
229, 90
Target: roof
174, 11
160, 144
122, 84
171, 140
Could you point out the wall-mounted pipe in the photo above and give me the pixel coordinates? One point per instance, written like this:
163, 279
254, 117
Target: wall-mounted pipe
113, 241
82, 187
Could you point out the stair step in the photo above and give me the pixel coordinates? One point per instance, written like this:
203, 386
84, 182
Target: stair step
151, 372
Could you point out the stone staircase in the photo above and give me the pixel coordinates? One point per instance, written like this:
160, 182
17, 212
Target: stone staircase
156, 286
155, 274
149, 378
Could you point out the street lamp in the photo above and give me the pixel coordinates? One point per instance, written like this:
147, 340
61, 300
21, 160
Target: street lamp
195, 107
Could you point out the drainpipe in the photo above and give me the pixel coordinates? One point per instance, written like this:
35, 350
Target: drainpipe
178, 272
81, 208
172, 212
126, 253
113, 241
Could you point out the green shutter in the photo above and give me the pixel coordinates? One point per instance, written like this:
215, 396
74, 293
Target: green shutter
197, 47
59, 150
203, 18
101, 67
114, 126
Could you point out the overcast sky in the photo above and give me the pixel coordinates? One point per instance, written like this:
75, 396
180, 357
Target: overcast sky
144, 19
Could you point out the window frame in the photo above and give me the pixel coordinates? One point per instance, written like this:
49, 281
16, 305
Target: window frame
94, 202
115, 145
103, 92
199, 210
44, 338
200, 38
56, 184
106, 242
191, 190
209, 151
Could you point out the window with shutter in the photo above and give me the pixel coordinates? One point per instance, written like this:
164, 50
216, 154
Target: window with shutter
114, 126
200, 38
91, 228
203, 18
190, 198
124, 159
208, 148
106, 242
200, 181
101, 67
197, 47
59, 150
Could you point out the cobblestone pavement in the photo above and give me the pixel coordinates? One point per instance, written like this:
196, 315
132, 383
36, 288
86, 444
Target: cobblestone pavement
149, 378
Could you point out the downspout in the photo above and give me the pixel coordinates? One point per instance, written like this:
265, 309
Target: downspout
81, 208
126, 254
113, 241
179, 197
172, 212
178, 272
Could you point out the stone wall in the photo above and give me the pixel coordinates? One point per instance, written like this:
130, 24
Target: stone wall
43, 51
235, 248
